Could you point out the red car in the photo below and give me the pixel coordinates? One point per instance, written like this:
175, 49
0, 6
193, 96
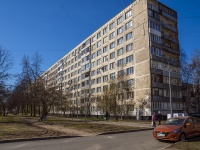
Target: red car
178, 128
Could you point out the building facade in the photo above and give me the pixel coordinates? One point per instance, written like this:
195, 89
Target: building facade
142, 40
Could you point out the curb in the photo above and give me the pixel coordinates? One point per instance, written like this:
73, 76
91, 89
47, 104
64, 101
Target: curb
118, 132
37, 139
60, 137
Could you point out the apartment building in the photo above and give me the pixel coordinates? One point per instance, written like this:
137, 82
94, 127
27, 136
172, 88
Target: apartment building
141, 40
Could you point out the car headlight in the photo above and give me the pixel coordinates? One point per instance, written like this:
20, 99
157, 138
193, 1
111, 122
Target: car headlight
176, 130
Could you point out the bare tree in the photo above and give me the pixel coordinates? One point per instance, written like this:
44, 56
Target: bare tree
5, 64
114, 99
195, 77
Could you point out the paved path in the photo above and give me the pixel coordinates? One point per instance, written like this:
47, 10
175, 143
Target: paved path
133, 123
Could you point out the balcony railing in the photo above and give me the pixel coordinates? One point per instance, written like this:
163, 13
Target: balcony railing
170, 38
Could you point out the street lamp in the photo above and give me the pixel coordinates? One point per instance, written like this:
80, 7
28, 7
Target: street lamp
170, 92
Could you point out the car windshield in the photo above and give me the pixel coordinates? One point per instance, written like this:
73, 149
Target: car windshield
174, 121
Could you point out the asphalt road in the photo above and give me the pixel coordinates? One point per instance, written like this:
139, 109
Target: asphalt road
141, 140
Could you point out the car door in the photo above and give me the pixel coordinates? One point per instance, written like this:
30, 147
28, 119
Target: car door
189, 130
196, 122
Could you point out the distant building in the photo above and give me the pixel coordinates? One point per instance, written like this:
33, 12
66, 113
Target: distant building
143, 38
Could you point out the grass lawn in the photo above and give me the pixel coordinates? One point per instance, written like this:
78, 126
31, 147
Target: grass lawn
12, 127
193, 144
15, 127
88, 126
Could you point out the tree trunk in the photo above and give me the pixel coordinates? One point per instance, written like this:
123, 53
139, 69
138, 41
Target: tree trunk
34, 109
31, 110
4, 109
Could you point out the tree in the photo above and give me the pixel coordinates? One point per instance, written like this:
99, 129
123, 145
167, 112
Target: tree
195, 77
119, 89
5, 64
62, 103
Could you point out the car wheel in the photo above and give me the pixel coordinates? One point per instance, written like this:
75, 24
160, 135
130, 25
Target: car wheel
182, 137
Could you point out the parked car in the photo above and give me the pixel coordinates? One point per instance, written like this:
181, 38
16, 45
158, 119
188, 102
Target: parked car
178, 128
195, 114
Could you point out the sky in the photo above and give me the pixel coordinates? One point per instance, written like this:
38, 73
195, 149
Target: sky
54, 27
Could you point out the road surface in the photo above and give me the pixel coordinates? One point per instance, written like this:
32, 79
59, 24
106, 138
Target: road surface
141, 140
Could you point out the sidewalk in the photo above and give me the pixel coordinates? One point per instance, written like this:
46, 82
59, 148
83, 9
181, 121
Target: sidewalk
132, 123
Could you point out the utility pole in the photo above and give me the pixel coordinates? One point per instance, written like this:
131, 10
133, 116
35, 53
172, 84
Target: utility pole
170, 92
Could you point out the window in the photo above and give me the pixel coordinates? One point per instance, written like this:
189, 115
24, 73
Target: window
105, 30
93, 82
98, 80
128, 14
120, 51
112, 76
94, 64
111, 26
150, 12
121, 73
112, 55
112, 35
98, 89
99, 44
156, 51
98, 61
93, 38
99, 52
131, 82
104, 68
129, 70
93, 73
93, 55
156, 38
105, 78
105, 40
98, 35
93, 90
129, 59
120, 62
120, 41
105, 87
99, 71
158, 92
128, 36
93, 47
105, 49
112, 65
105, 58
120, 30
128, 25
87, 66
130, 95
129, 47
119, 20
112, 45
154, 25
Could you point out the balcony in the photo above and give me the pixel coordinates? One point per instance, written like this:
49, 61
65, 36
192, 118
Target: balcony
169, 49
85, 87
85, 70
169, 16
175, 40
170, 27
